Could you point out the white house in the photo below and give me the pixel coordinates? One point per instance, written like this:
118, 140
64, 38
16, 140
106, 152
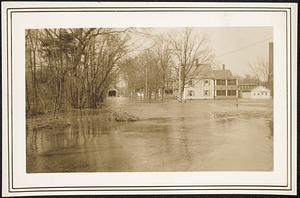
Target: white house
260, 92
226, 85
200, 87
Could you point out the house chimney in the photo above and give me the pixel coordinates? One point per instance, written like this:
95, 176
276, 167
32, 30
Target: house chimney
223, 66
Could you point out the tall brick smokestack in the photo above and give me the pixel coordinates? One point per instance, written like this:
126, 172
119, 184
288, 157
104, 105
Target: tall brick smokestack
270, 75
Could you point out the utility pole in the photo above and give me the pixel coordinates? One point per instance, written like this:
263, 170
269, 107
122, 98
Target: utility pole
146, 83
179, 84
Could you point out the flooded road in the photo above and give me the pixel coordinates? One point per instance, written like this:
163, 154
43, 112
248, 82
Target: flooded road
203, 135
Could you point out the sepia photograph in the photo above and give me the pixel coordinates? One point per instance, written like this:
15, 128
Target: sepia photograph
146, 98
149, 99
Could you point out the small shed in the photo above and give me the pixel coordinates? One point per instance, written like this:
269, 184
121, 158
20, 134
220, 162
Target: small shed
260, 92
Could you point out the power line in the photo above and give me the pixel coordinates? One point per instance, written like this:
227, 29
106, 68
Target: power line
244, 47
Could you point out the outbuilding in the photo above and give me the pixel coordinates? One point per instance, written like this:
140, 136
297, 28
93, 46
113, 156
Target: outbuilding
260, 92
112, 93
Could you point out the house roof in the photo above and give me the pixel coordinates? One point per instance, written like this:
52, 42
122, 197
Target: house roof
205, 72
249, 82
223, 74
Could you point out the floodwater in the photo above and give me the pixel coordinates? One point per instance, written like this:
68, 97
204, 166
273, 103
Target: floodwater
202, 135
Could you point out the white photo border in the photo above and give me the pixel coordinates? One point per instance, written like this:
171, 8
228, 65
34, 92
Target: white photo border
9, 187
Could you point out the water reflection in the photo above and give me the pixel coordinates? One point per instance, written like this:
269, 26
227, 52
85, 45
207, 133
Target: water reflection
181, 139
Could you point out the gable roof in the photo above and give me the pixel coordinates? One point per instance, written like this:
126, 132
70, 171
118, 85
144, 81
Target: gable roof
223, 74
205, 72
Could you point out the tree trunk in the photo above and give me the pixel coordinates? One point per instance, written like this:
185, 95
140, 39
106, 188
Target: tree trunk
27, 99
163, 93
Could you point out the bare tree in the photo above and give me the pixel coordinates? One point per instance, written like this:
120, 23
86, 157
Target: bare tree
34, 101
56, 45
191, 51
77, 66
110, 49
260, 70
81, 64
164, 57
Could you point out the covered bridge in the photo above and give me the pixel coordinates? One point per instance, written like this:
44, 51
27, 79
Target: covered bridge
113, 92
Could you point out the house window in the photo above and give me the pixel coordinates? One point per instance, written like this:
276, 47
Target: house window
206, 82
221, 93
191, 83
231, 82
221, 82
191, 93
231, 92
206, 92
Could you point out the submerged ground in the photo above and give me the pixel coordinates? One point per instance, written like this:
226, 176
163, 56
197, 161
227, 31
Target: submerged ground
200, 135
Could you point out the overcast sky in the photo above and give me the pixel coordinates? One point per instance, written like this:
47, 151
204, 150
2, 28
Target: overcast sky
235, 47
